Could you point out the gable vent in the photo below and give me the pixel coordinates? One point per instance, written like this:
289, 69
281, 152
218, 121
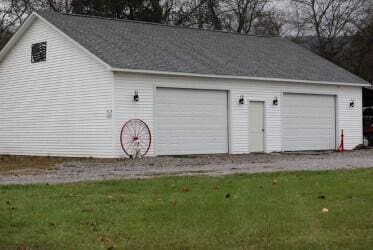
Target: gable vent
39, 52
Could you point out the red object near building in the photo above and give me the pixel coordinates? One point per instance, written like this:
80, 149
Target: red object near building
342, 145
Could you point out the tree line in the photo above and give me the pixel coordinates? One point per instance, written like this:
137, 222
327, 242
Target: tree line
340, 31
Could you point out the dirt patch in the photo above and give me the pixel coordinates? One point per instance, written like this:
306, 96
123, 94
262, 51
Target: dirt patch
8, 163
16, 163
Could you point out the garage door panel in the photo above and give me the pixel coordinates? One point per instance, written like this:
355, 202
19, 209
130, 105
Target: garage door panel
196, 130
313, 125
308, 122
310, 115
310, 126
195, 133
169, 96
192, 128
193, 140
176, 149
299, 133
197, 109
196, 120
306, 138
190, 121
309, 145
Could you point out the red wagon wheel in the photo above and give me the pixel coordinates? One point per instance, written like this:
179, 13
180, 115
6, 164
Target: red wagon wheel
135, 138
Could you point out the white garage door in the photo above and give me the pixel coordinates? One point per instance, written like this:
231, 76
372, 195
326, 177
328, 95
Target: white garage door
308, 122
190, 121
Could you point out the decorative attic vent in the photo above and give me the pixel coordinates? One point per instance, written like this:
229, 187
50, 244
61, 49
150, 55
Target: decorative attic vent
39, 52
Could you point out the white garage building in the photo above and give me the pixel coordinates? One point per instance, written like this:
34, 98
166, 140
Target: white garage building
67, 86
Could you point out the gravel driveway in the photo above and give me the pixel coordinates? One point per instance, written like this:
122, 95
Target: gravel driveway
190, 165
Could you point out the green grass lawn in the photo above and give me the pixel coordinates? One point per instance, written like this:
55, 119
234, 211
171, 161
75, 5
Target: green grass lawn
246, 211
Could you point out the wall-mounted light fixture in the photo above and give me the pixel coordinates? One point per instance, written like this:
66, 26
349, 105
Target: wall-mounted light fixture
241, 100
275, 101
136, 97
352, 103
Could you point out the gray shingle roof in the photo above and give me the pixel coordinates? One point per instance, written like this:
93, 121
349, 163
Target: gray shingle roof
138, 45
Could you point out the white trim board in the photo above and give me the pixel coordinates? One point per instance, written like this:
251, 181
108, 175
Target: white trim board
169, 73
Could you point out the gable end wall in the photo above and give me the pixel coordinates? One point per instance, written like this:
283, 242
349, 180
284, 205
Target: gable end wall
58, 107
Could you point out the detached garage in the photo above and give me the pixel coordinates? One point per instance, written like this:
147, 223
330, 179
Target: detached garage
84, 86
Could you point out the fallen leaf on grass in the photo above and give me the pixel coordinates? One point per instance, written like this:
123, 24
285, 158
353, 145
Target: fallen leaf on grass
185, 190
88, 210
108, 242
93, 227
325, 211
105, 239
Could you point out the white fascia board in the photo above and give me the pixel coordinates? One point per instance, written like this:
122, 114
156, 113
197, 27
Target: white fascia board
167, 73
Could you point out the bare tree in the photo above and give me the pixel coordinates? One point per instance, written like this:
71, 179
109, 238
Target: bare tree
213, 13
12, 13
293, 26
51, 5
157, 11
359, 56
269, 23
241, 15
198, 13
232, 15
329, 20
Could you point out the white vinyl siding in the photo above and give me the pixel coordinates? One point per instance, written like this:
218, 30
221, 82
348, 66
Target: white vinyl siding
57, 107
348, 118
190, 121
308, 122
126, 109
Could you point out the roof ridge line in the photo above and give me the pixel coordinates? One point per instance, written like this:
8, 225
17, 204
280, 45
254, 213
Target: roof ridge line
157, 24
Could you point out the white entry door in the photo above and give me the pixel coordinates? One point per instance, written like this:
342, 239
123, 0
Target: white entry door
256, 118
191, 121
